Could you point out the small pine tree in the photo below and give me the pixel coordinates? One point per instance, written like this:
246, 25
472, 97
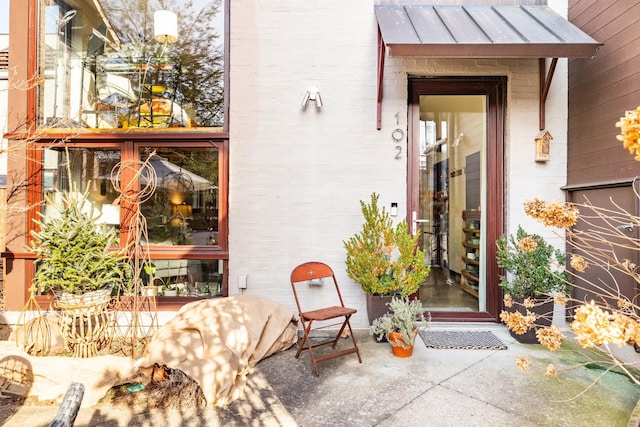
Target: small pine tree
74, 251
383, 259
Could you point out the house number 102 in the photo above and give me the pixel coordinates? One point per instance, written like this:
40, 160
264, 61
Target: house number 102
398, 136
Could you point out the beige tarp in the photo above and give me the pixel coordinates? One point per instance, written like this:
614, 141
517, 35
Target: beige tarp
217, 341
48, 378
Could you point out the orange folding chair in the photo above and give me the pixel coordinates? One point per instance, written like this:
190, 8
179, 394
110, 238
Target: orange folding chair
302, 275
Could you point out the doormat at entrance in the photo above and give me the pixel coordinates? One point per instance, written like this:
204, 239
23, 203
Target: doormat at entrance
466, 340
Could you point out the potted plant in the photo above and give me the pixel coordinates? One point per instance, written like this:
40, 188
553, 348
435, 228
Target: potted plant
170, 290
536, 273
75, 262
149, 285
74, 256
400, 325
385, 260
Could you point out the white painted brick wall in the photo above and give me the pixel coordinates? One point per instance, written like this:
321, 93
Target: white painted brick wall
296, 177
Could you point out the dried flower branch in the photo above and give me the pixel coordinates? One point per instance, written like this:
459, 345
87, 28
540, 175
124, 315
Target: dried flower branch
604, 317
630, 131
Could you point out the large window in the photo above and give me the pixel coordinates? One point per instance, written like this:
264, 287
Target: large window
177, 194
183, 209
112, 73
115, 64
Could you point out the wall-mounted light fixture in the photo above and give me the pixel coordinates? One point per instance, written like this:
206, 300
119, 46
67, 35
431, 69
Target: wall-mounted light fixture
543, 146
313, 94
165, 26
316, 282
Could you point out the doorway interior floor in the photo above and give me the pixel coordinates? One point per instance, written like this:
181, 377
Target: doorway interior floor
441, 292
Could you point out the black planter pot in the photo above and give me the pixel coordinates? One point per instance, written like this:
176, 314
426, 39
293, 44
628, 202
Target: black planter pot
544, 316
377, 306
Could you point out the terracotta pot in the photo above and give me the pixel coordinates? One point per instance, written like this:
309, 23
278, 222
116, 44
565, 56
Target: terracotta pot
398, 350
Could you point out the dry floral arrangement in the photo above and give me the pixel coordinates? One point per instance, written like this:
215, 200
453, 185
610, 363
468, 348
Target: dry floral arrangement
603, 316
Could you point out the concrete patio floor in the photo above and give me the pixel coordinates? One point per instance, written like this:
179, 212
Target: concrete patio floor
434, 387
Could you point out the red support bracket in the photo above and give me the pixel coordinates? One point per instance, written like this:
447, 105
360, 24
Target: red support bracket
381, 53
545, 83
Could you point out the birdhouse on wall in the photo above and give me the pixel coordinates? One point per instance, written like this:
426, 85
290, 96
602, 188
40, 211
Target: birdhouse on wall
543, 145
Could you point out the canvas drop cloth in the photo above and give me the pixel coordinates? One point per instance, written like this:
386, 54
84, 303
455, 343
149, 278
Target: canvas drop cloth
49, 378
217, 341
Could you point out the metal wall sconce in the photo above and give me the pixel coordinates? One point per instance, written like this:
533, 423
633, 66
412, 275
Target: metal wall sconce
313, 94
543, 146
316, 282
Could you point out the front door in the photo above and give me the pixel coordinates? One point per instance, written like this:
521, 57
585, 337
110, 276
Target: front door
456, 192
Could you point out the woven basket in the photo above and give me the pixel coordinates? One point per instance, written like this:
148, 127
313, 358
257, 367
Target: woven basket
85, 321
93, 297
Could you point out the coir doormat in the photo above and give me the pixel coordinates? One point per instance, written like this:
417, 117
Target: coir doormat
467, 340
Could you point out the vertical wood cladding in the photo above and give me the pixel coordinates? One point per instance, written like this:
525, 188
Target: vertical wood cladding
601, 89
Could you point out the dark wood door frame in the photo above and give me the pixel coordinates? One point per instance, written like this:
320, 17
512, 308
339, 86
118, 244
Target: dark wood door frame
494, 88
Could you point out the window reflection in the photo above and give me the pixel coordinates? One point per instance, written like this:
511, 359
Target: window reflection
85, 170
182, 277
183, 210
109, 64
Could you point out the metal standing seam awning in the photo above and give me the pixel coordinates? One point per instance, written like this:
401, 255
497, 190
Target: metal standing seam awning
445, 31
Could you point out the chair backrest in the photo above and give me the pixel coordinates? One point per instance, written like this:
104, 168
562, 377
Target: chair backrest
303, 273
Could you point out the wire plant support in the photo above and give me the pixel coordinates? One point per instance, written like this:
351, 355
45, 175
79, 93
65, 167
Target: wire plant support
136, 312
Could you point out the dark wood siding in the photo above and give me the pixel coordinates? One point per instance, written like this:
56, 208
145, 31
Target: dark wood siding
601, 89
617, 200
